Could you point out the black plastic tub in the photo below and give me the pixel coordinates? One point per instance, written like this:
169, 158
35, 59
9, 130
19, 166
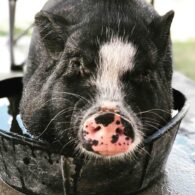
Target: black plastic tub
34, 167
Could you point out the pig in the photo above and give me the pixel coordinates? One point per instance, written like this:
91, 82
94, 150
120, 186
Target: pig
98, 76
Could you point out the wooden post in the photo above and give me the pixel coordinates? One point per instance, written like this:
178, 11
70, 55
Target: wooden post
12, 6
12, 10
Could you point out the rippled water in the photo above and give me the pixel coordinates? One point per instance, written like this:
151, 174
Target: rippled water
10, 121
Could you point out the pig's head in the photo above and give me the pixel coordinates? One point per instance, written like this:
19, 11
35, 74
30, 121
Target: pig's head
98, 80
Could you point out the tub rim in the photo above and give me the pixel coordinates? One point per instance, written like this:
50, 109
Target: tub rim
180, 102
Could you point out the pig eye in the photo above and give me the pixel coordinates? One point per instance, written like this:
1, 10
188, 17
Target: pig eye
146, 76
76, 68
75, 63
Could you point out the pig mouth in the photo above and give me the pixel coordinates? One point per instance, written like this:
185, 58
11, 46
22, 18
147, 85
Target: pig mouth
109, 134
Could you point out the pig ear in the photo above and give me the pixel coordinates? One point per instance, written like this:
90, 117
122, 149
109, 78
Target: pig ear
52, 32
161, 29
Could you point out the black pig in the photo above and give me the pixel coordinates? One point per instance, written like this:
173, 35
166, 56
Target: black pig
98, 77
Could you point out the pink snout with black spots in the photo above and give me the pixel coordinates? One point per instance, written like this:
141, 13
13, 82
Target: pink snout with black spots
107, 134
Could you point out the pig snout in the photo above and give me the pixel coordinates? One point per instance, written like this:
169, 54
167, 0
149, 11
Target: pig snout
107, 134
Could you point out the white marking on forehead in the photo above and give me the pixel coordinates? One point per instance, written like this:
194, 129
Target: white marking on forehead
116, 58
117, 55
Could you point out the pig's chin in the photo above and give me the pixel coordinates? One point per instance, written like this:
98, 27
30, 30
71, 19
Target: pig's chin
109, 135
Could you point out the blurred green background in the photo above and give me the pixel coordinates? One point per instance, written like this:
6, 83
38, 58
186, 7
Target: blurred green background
184, 57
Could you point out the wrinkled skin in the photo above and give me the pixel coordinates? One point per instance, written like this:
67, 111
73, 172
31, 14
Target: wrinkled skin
64, 59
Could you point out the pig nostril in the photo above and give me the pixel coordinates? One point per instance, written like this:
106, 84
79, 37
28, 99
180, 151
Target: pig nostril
105, 119
114, 139
119, 131
97, 128
118, 122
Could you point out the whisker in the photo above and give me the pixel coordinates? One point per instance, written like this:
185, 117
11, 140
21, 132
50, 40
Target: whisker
160, 117
57, 115
58, 98
150, 125
148, 111
63, 147
144, 150
75, 95
149, 118
151, 122
65, 130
